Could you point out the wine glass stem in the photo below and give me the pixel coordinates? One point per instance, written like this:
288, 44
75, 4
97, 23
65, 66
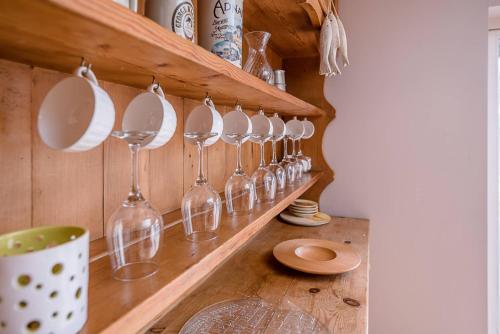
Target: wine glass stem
262, 161
300, 146
285, 149
274, 160
239, 168
135, 191
293, 148
201, 178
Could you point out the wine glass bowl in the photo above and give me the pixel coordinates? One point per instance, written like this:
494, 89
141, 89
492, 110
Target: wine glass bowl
201, 211
201, 206
239, 189
295, 131
279, 130
308, 133
263, 179
134, 230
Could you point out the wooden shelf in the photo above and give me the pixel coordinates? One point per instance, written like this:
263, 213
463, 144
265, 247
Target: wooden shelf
254, 273
117, 307
293, 34
127, 48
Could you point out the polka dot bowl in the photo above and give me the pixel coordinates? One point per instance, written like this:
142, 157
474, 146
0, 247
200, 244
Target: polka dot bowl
44, 280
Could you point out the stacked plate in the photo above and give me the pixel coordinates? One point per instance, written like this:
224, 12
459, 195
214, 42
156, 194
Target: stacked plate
303, 208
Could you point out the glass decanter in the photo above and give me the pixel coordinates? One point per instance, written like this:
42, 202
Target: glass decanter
287, 164
263, 179
239, 190
257, 63
201, 206
134, 230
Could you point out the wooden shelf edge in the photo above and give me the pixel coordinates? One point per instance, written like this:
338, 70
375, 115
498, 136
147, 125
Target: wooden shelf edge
138, 318
128, 48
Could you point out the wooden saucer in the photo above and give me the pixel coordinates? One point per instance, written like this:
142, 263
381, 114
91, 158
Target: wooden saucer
316, 256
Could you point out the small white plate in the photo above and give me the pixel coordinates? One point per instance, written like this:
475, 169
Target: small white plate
301, 221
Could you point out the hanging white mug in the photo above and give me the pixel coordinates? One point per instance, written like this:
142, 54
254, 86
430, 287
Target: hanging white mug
236, 122
204, 119
279, 128
150, 111
308, 128
76, 115
262, 128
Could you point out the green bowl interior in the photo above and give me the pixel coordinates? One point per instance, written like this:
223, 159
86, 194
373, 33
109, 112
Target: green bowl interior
36, 239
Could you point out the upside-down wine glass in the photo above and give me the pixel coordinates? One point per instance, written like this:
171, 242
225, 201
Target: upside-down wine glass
308, 133
201, 206
274, 166
239, 190
134, 231
263, 179
287, 165
295, 130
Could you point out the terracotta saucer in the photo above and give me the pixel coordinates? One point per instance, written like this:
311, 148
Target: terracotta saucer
316, 256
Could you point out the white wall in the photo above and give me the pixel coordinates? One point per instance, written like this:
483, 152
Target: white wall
409, 150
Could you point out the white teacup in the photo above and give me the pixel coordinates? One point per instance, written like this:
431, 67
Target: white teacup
294, 129
204, 119
308, 128
236, 122
150, 111
76, 115
262, 128
279, 128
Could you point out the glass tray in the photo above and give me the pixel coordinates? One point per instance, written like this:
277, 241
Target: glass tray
251, 316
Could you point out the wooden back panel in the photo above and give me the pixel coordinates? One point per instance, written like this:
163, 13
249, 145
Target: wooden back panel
40, 186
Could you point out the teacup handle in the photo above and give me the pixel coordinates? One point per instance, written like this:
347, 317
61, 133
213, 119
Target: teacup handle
208, 102
86, 72
155, 88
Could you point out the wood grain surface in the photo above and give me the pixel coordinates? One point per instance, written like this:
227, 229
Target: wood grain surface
41, 186
254, 272
136, 305
128, 48
15, 146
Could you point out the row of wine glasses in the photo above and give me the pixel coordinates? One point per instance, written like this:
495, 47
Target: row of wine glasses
134, 231
201, 206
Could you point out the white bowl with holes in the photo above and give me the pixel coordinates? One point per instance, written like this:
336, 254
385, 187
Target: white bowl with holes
44, 280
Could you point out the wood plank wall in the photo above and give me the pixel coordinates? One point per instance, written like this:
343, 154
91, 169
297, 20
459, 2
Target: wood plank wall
40, 186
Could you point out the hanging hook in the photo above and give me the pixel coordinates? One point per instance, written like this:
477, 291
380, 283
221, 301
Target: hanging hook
155, 84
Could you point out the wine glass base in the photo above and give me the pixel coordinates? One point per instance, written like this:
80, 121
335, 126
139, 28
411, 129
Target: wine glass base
201, 236
135, 271
240, 213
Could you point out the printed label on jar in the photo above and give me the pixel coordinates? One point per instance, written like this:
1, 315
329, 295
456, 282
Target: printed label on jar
183, 20
224, 31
